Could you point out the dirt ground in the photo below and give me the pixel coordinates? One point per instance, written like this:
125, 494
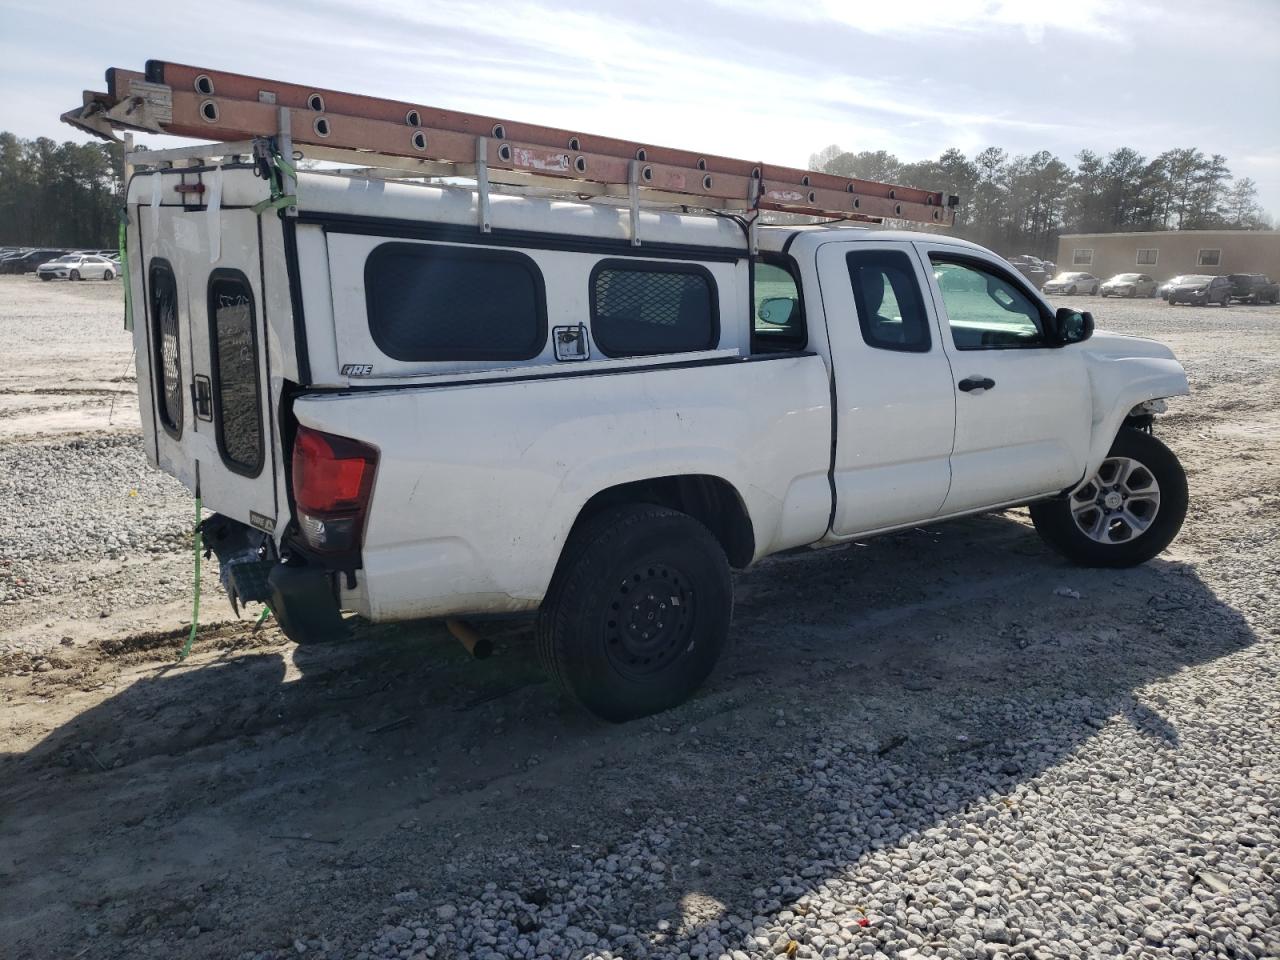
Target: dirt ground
262, 797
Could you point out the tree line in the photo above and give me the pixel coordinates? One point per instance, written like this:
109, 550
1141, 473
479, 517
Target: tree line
1020, 204
59, 194
69, 194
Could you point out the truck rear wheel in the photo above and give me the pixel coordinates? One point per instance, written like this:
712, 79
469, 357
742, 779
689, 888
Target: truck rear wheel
1126, 514
637, 613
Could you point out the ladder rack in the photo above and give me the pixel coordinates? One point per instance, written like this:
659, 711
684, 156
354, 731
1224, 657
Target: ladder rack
413, 140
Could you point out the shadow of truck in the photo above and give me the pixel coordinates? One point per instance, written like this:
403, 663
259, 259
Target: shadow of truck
873, 692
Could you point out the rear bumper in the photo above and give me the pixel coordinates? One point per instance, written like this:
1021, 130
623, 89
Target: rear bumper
305, 603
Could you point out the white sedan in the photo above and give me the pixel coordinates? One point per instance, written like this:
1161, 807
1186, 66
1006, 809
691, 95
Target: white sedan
79, 266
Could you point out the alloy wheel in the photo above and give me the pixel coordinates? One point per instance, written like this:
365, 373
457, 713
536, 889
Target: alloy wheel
1119, 504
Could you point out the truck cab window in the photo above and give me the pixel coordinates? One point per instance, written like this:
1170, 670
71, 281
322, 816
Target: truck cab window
777, 311
985, 310
887, 297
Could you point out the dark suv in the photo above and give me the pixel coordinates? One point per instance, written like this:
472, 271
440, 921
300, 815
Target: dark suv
27, 262
1253, 288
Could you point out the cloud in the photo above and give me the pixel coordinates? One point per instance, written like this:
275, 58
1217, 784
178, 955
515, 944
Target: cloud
1102, 19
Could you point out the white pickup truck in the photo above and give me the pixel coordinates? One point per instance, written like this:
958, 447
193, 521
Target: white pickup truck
398, 414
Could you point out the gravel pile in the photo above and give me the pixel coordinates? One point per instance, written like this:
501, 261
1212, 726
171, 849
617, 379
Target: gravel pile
87, 498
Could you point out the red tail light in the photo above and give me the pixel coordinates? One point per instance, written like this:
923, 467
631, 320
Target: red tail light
332, 481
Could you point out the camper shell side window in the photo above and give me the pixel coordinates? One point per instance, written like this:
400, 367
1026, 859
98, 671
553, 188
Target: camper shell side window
644, 308
430, 302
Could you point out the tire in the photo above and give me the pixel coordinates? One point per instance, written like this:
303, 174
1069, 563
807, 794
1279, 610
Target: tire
604, 592
108, 275
1071, 292
1133, 293
1153, 463
75, 275
1095, 291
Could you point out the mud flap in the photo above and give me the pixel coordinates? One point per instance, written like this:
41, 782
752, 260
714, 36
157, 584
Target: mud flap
304, 604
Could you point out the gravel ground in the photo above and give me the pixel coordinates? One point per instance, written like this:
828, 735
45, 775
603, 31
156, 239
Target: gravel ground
945, 742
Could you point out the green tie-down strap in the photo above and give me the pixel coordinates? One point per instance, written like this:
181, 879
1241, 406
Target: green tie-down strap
275, 203
124, 268
280, 167
195, 605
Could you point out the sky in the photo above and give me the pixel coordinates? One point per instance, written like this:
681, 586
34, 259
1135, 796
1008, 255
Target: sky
771, 80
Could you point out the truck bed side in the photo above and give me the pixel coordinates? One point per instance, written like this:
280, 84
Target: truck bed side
479, 484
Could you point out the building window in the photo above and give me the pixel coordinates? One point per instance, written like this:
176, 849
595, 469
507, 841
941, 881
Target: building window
1082, 257
428, 302
1147, 258
1209, 258
642, 309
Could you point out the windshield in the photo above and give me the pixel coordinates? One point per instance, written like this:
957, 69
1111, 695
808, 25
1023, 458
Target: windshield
1125, 277
1195, 278
1070, 276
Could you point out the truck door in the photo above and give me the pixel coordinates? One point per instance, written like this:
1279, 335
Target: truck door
894, 403
1024, 409
204, 345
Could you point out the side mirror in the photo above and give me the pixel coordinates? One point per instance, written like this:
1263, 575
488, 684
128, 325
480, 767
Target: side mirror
1071, 326
776, 311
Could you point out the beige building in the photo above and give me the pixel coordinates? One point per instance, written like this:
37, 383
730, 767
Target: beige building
1167, 253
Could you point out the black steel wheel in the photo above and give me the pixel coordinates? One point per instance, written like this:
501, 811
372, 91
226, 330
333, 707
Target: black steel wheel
637, 613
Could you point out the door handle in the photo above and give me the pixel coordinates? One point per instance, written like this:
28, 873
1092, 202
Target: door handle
976, 383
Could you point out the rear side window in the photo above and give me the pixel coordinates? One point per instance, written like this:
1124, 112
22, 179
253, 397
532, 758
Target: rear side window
430, 302
778, 317
642, 309
167, 364
233, 345
890, 307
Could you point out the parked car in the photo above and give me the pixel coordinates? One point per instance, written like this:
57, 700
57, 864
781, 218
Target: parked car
28, 262
1072, 284
543, 419
1032, 268
1129, 285
1171, 283
1253, 288
78, 266
1200, 289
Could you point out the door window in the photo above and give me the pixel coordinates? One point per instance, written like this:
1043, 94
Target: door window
985, 310
163, 291
233, 345
887, 297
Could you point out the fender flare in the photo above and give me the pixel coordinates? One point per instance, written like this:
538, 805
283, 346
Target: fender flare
1116, 391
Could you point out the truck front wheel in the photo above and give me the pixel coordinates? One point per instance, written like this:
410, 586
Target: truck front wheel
637, 613
1126, 514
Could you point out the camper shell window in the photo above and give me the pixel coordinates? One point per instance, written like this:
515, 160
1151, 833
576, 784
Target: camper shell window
233, 348
645, 308
429, 302
167, 362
